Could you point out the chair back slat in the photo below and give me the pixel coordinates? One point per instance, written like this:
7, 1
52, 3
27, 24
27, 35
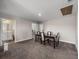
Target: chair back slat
49, 33
39, 33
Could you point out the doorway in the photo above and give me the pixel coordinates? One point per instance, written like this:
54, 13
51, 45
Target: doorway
35, 28
8, 30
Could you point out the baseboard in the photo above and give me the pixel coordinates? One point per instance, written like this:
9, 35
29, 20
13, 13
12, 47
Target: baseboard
67, 42
70, 44
22, 40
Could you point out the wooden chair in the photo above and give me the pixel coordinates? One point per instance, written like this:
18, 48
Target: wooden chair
42, 36
57, 39
38, 37
38, 32
49, 33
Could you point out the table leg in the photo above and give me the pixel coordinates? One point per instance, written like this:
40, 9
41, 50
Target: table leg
41, 40
44, 42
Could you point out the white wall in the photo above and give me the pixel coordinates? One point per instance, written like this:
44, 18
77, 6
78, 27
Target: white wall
65, 25
0, 33
77, 32
23, 30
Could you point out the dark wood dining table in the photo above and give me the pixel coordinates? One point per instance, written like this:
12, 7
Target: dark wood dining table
45, 37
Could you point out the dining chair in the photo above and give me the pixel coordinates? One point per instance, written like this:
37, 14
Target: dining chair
49, 33
42, 36
57, 39
38, 36
38, 32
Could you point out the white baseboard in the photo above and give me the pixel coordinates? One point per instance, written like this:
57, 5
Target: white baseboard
21, 40
31, 38
67, 42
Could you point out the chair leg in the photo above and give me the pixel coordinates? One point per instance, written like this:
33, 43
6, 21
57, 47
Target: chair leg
41, 40
48, 40
58, 43
44, 42
54, 43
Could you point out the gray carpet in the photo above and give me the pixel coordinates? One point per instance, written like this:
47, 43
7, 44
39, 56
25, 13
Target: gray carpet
34, 50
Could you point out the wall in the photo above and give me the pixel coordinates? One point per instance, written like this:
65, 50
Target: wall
65, 25
77, 32
0, 33
23, 30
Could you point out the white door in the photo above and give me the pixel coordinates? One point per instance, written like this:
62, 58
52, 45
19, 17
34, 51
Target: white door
34, 29
7, 30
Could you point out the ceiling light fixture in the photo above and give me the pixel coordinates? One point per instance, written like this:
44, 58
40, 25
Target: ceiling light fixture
39, 14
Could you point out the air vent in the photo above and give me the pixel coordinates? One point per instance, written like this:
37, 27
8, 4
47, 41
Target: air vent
67, 10
69, 0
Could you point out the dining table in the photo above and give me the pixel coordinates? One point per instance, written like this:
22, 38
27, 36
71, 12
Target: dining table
45, 37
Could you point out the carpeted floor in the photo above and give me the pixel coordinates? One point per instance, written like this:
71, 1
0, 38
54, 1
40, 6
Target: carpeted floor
34, 50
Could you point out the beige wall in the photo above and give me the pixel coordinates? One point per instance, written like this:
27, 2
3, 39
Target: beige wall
65, 25
23, 30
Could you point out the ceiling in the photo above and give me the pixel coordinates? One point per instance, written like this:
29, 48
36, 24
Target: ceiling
29, 9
